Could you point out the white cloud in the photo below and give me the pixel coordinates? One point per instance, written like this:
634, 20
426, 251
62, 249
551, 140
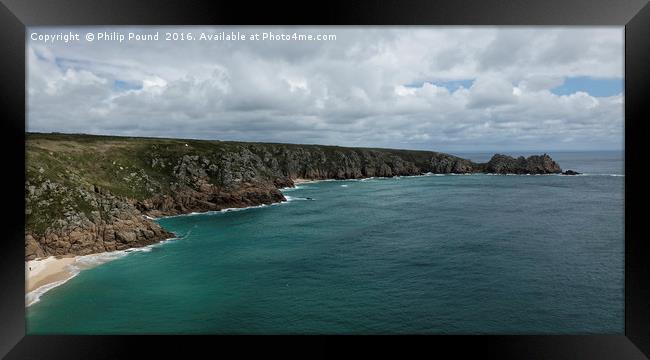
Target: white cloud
354, 91
540, 82
490, 91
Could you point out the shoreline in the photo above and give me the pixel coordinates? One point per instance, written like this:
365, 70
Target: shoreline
44, 274
299, 181
41, 272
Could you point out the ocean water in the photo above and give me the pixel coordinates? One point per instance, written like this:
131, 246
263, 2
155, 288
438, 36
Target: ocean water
453, 254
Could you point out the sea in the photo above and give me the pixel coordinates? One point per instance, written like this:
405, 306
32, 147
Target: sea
432, 254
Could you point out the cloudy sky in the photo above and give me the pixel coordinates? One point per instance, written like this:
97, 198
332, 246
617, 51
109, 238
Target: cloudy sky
448, 89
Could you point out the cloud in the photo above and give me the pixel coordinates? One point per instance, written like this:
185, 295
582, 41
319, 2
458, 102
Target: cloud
355, 91
490, 91
535, 82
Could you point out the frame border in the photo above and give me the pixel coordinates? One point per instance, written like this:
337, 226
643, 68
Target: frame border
16, 15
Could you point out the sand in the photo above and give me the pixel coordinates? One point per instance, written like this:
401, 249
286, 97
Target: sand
299, 181
43, 275
46, 271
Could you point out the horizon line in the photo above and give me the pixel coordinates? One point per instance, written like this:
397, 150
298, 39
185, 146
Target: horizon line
322, 144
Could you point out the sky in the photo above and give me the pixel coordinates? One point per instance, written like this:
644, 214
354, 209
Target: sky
432, 88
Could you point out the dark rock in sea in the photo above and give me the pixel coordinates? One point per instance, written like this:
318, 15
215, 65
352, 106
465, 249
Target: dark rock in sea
87, 194
570, 172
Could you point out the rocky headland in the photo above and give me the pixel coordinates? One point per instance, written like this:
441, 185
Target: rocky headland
89, 194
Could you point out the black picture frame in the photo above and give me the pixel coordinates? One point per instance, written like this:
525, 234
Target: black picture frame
16, 15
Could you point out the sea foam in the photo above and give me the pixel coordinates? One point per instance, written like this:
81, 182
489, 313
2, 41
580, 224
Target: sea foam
34, 296
84, 262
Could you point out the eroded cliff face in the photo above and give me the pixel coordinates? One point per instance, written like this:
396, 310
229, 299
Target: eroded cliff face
88, 194
103, 223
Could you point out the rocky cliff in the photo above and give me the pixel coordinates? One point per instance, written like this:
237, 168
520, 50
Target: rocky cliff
87, 194
536, 164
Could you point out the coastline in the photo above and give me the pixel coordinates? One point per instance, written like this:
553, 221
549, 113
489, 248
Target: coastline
41, 272
299, 181
128, 203
44, 274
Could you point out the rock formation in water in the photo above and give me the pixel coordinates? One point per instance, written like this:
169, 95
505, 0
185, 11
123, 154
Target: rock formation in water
536, 164
570, 172
87, 194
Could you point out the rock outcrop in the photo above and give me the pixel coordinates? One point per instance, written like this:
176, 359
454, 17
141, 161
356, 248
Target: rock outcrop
536, 164
88, 194
570, 172
105, 223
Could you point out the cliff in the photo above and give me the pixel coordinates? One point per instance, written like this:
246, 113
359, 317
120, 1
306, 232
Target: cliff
87, 194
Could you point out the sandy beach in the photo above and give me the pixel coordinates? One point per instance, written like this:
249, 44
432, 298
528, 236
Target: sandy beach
299, 181
42, 275
46, 271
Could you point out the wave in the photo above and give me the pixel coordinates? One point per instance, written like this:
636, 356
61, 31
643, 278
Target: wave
34, 296
297, 187
88, 261
586, 174
569, 176
85, 262
215, 212
614, 175
291, 198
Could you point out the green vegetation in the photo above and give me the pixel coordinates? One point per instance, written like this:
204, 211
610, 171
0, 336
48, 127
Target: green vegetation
72, 174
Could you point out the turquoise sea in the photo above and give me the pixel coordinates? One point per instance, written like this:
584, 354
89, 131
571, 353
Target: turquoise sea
452, 254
